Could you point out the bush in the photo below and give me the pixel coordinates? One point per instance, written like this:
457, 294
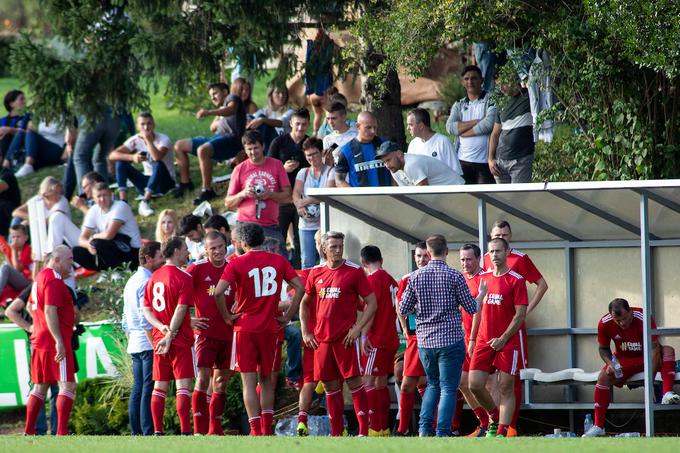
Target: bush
451, 90
94, 414
5, 49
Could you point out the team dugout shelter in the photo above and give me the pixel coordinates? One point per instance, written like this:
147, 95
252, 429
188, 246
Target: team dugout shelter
592, 241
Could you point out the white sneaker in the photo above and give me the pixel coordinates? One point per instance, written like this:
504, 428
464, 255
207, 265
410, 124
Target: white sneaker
594, 431
670, 398
25, 170
144, 209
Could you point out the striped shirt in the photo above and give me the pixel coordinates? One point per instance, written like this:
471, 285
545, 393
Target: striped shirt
436, 292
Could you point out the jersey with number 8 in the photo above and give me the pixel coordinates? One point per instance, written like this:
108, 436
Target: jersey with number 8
167, 288
257, 278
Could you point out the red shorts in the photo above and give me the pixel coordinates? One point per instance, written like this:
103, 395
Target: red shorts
412, 365
335, 360
307, 365
212, 353
253, 351
466, 363
178, 363
44, 369
506, 360
629, 366
379, 362
278, 355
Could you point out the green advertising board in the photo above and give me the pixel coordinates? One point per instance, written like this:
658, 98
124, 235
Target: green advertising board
97, 345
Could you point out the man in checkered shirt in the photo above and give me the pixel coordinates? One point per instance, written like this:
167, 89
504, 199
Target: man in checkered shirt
436, 292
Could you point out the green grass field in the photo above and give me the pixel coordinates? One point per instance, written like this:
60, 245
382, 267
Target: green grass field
328, 445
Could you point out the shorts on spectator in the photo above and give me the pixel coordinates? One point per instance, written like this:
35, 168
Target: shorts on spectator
335, 360
253, 351
178, 363
212, 353
45, 370
224, 146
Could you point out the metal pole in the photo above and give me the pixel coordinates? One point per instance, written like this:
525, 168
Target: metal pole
646, 263
324, 218
481, 220
571, 323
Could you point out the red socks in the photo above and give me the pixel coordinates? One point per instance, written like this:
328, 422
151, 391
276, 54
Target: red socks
267, 420
494, 415
33, 406
502, 430
518, 401
668, 369
384, 400
199, 406
373, 408
406, 403
157, 409
482, 416
64, 405
602, 397
421, 390
361, 409
216, 410
336, 409
458, 413
302, 417
255, 426
183, 403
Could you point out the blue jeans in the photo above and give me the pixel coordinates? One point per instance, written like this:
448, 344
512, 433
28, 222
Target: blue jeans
44, 152
442, 367
308, 248
41, 422
85, 157
159, 182
293, 337
139, 407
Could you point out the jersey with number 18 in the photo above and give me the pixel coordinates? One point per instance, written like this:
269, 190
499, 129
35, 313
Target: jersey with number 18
167, 288
257, 277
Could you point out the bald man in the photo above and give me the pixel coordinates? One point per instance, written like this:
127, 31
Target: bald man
356, 165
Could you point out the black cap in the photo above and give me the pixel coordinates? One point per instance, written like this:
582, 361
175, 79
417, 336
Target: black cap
386, 148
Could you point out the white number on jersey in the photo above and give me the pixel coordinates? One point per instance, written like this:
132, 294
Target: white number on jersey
265, 285
158, 301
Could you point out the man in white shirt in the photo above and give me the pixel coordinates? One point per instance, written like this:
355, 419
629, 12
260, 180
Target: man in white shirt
416, 170
154, 151
342, 133
471, 121
427, 142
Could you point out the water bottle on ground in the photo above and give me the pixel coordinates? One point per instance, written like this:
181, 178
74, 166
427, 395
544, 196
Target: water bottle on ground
628, 435
587, 423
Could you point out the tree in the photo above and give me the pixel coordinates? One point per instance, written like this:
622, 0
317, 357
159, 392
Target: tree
615, 65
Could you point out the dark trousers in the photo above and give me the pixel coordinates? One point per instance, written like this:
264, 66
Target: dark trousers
476, 173
108, 256
288, 215
139, 408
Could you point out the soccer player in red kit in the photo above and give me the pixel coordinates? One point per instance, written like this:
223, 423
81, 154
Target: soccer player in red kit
470, 256
52, 358
383, 341
497, 346
624, 326
335, 289
257, 277
522, 264
167, 298
414, 373
213, 343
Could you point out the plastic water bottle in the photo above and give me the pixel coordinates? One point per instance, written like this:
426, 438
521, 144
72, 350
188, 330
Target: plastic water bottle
628, 435
618, 371
587, 423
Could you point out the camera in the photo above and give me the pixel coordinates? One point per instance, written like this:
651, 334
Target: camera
259, 189
312, 210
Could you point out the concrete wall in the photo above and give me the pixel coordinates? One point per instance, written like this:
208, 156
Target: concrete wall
600, 275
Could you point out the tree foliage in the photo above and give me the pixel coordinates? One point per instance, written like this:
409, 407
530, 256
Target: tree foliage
615, 66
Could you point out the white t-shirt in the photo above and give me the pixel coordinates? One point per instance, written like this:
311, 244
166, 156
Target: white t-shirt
439, 147
475, 148
418, 168
99, 221
52, 132
137, 144
339, 139
308, 182
196, 249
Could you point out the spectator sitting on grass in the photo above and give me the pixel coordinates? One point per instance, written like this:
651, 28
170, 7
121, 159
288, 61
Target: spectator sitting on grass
45, 147
15, 121
191, 228
84, 200
167, 225
154, 151
10, 198
15, 274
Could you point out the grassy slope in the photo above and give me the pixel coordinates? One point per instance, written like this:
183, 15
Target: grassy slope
328, 445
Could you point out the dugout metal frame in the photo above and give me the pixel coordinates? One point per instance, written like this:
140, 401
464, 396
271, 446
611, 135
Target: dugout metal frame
567, 216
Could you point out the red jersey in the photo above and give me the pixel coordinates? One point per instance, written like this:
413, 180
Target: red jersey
473, 286
167, 288
257, 277
336, 293
518, 262
49, 289
205, 277
383, 332
628, 341
504, 293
